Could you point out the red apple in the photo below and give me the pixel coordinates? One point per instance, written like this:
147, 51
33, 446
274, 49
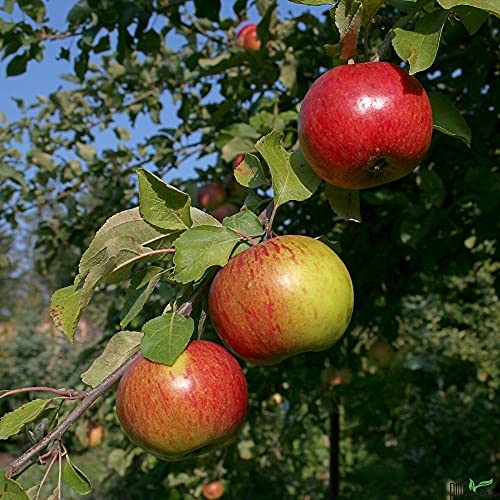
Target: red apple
213, 490
288, 295
211, 195
186, 409
247, 37
238, 160
362, 125
95, 436
224, 211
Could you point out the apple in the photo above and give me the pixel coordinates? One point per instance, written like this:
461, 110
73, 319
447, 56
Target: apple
213, 490
211, 195
247, 37
336, 376
224, 211
95, 435
363, 125
186, 409
381, 353
288, 295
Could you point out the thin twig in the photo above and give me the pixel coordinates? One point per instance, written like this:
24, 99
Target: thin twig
65, 393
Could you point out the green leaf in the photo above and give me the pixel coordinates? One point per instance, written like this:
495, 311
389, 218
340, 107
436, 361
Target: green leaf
235, 147
419, 47
471, 17
200, 248
8, 6
166, 337
120, 347
334, 245
10, 490
85, 152
126, 224
209, 10
11, 423
244, 221
447, 118
140, 289
8, 172
163, 205
201, 218
370, 8
75, 478
17, 65
249, 172
65, 309
33, 8
345, 202
472, 486
492, 6
292, 178
150, 42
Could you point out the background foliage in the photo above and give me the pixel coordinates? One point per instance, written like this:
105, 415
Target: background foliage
423, 261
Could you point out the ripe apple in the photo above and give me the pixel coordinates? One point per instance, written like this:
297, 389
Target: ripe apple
286, 296
381, 353
362, 125
186, 409
247, 37
211, 195
95, 435
213, 490
224, 211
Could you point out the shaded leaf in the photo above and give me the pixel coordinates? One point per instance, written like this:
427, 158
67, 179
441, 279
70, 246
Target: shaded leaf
17, 65
345, 202
121, 346
33, 8
447, 118
75, 478
249, 172
348, 17
471, 17
11, 423
140, 289
166, 337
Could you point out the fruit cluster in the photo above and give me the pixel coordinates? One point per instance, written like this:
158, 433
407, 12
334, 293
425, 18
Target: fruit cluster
360, 125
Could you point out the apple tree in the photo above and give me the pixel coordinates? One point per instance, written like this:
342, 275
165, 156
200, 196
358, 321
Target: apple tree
123, 237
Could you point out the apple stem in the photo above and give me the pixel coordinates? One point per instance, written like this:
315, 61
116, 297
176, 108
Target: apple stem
27, 458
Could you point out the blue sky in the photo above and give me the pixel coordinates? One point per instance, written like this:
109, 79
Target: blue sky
44, 77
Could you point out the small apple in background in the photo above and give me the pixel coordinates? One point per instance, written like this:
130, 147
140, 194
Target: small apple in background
381, 353
186, 409
211, 195
288, 295
224, 211
95, 435
362, 125
247, 37
213, 490
336, 376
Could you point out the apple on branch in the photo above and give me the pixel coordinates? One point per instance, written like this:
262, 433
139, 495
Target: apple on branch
247, 37
363, 125
186, 409
288, 295
211, 195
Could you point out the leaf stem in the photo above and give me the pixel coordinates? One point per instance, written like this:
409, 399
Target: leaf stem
65, 393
